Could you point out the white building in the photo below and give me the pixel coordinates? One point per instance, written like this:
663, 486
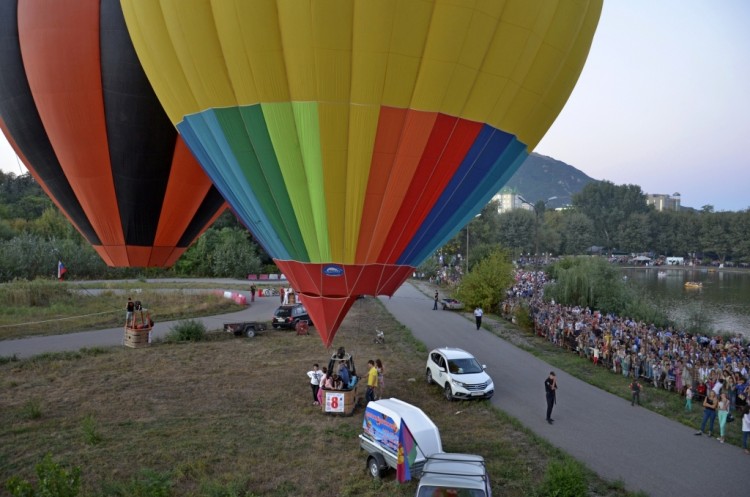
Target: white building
663, 202
508, 199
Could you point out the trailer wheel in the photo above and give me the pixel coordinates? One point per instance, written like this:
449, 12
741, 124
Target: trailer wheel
250, 331
374, 464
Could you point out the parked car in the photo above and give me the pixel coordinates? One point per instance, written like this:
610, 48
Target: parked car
454, 474
452, 304
287, 316
459, 374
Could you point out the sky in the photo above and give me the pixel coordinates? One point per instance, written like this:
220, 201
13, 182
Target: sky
663, 102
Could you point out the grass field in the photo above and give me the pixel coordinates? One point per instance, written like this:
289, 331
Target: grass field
51, 308
234, 417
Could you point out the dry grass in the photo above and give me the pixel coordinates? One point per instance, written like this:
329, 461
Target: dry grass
233, 416
74, 310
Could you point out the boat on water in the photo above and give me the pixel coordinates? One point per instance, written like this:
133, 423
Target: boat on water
693, 284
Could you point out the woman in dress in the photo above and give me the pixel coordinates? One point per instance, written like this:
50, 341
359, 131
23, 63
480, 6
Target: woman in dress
723, 412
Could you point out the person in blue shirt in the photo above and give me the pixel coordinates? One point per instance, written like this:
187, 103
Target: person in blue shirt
344, 374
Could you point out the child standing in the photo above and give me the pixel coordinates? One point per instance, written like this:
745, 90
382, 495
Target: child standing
315, 376
689, 399
635, 392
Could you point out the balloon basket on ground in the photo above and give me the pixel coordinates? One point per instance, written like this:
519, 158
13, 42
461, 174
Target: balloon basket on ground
341, 402
137, 338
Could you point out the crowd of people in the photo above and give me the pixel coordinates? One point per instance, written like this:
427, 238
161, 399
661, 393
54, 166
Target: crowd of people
692, 365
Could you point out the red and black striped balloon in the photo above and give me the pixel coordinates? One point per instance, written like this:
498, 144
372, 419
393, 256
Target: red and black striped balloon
79, 111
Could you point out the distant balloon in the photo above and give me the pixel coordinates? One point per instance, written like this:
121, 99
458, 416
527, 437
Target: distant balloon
79, 111
353, 138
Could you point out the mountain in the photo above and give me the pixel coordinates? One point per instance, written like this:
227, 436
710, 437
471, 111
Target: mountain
541, 177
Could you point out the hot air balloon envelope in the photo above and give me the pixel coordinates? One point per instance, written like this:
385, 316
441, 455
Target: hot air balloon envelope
360, 134
77, 108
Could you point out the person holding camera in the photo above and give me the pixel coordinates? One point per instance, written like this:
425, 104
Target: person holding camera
550, 389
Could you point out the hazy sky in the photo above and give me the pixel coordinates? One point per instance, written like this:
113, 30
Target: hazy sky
663, 102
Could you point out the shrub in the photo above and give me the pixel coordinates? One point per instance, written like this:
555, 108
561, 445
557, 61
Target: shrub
53, 481
564, 478
149, 483
32, 410
90, 433
523, 317
188, 330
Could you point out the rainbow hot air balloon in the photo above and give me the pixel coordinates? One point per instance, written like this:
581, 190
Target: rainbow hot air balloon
354, 137
77, 108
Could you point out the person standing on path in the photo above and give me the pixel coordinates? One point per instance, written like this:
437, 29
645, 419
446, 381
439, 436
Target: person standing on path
745, 427
252, 293
635, 392
434, 307
550, 389
478, 312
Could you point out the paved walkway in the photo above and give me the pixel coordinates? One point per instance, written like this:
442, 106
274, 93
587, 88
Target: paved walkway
260, 310
646, 451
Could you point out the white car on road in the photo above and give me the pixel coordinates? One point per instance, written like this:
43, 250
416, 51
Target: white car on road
459, 374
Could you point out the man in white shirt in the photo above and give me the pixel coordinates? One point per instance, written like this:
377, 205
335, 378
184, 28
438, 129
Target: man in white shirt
478, 316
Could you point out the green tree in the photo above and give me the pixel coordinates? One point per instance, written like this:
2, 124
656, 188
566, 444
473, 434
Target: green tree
52, 224
740, 236
576, 233
715, 234
635, 233
234, 255
516, 231
487, 282
608, 206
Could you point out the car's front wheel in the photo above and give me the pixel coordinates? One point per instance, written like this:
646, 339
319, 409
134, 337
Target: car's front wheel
448, 392
428, 377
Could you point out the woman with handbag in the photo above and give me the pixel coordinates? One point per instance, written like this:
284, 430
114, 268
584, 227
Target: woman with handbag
723, 412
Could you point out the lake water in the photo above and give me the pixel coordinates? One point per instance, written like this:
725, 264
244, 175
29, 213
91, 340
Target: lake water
724, 298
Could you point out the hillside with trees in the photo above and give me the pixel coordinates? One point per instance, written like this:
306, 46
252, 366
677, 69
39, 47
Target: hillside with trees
34, 235
607, 218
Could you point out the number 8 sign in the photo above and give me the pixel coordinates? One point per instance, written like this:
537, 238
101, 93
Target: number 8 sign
334, 402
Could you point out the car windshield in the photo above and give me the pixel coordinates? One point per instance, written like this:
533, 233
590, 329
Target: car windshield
283, 313
464, 366
433, 491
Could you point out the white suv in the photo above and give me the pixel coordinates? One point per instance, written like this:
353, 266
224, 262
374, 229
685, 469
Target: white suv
459, 374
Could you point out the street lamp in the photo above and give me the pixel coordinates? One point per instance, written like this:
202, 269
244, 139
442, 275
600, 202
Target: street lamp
467, 243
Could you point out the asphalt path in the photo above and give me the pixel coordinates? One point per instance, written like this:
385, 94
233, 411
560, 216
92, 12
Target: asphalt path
646, 451
260, 310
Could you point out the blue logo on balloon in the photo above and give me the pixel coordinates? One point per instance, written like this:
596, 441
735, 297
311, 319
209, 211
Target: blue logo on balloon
333, 270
